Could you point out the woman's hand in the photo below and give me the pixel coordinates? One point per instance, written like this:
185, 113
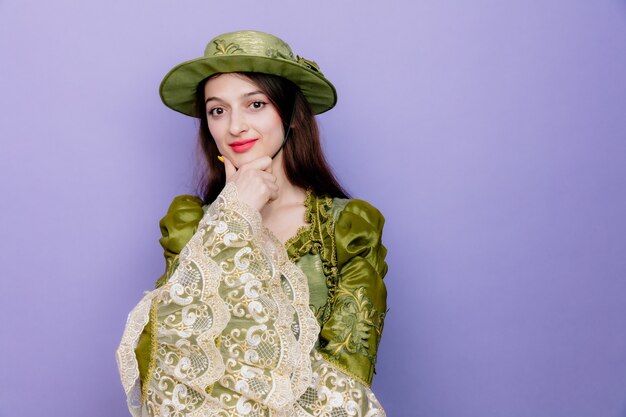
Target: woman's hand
256, 185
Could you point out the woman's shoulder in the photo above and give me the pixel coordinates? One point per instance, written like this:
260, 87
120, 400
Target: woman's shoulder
350, 208
185, 201
180, 222
358, 231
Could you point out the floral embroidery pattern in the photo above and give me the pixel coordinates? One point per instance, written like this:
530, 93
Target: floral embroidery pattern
354, 319
226, 49
312, 65
275, 53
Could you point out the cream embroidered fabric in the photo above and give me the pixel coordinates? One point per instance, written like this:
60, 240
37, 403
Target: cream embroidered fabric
235, 334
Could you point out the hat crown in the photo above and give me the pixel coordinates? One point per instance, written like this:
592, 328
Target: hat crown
249, 42
246, 51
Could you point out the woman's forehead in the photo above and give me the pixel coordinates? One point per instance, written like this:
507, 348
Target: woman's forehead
230, 85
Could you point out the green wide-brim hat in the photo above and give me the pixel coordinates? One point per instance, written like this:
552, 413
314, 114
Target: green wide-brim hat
246, 51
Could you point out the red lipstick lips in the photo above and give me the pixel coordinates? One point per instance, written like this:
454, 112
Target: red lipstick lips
242, 145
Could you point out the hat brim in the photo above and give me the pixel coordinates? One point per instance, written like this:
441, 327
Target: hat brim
178, 88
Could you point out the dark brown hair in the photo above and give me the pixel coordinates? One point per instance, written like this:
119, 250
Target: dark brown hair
305, 164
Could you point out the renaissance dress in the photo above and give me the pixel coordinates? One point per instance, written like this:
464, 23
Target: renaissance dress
242, 325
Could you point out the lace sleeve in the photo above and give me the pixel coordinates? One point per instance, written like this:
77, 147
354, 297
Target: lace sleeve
177, 227
232, 324
334, 392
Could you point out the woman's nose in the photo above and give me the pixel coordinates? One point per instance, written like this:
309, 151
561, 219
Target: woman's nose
238, 123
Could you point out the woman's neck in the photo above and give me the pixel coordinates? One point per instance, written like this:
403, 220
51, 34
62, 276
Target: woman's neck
287, 192
285, 215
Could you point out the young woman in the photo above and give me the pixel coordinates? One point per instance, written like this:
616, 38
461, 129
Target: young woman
272, 302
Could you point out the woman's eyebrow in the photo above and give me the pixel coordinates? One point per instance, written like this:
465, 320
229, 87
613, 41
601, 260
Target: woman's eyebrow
211, 99
251, 93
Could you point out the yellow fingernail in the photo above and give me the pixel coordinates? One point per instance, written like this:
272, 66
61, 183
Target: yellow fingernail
221, 158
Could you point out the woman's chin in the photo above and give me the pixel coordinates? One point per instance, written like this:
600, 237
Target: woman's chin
241, 159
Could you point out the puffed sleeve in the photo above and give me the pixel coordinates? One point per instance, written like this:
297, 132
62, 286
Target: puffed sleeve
177, 227
350, 336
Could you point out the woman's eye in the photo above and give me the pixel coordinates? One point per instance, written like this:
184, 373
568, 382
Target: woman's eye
216, 111
257, 104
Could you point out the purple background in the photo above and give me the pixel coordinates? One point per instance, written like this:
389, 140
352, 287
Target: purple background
491, 134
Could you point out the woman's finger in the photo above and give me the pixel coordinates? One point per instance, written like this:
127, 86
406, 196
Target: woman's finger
266, 176
262, 163
273, 191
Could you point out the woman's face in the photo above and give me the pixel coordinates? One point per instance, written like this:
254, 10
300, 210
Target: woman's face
241, 119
